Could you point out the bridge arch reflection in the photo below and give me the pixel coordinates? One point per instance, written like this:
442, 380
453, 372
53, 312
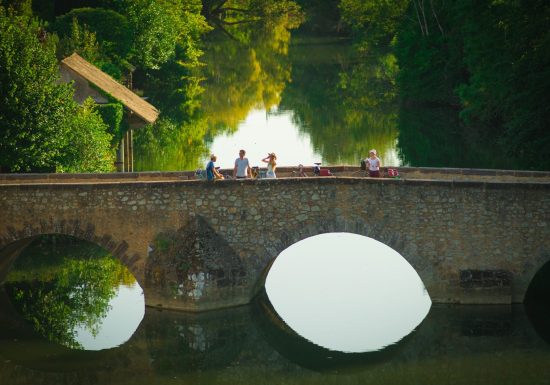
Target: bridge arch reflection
71, 292
16, 240
347, 293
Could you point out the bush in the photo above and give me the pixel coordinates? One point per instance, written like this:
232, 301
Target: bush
89, 148
112, 114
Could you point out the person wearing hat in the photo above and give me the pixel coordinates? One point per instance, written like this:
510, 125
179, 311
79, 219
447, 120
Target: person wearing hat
270, 159
373, 164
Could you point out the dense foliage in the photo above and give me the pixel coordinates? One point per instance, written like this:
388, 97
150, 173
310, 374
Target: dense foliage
460, 83
483, 64
41, 127
90, 143
60, 284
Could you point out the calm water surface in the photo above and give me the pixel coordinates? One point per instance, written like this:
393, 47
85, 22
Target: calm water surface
293, 105
365, 319
125, 312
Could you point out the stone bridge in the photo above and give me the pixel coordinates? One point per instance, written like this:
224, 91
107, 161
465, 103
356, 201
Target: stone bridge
473, 237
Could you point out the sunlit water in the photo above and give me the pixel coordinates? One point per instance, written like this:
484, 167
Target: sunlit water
347, 292
263, 132
126, 310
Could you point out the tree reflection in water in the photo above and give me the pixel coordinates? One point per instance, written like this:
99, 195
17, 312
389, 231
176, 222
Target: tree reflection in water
60, 284
245, 67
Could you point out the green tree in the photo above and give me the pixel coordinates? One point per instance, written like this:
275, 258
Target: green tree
34, 107
373, 21
488, 62
88, 29
112, 30
89, 148
80, 41
41, 126
507, 53
154, 31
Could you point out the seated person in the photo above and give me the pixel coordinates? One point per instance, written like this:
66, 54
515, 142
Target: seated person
211, 171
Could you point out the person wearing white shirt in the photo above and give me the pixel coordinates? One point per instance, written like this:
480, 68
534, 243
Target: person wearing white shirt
373, 164
242, 166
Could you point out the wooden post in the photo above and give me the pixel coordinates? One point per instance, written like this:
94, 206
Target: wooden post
120, 156
126, 152
131, 150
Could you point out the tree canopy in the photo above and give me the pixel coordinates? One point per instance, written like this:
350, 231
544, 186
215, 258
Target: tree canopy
485, 61
38, 118
482, 65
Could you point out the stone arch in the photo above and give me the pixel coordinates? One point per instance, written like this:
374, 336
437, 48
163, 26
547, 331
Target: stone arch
13, 240
295, 234
530, 269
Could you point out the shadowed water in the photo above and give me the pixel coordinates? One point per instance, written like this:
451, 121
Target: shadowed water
254, 345
247, 345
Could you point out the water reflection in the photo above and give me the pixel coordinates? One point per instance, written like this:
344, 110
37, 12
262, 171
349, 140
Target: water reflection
246, 346
309, 355
347, 292
125, 311
304, 99
434, 136
342, 99
75, 294
263, 132
321, 113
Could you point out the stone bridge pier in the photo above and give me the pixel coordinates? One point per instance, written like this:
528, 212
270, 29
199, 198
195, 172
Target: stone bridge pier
194, 245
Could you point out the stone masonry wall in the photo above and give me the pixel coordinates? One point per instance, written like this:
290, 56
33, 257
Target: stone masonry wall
196, 245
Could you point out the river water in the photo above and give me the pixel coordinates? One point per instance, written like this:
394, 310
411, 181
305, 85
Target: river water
292, 103
453, 345
319, 99
72, 314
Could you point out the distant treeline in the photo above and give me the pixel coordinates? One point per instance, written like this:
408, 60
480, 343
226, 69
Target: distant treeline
487, 60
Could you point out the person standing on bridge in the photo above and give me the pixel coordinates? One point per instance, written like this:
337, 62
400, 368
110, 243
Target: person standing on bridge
242, 166
373, 164
270, 159
211, 171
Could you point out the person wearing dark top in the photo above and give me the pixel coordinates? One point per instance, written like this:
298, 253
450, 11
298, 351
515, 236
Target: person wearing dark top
211, 172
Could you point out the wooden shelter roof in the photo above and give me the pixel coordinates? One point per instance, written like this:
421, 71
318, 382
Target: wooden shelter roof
109, 85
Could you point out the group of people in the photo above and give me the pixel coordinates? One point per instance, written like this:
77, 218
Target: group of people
242, 169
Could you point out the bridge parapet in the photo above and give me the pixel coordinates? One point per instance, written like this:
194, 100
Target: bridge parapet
465, 174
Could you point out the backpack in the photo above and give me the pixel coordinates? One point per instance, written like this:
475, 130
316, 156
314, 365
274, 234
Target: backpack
393, 173
363, 164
